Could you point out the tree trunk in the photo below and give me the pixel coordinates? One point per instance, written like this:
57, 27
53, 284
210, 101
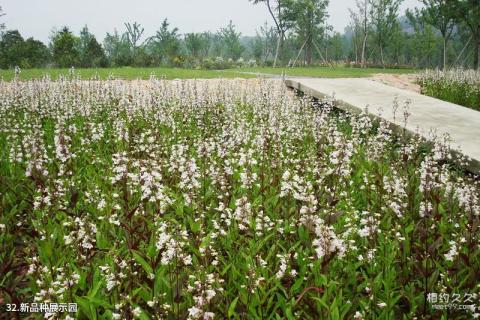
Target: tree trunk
477, 56
356, 49
381, 56
279, 48
444, 53
365, 30
276, 52
363, 49
476, 45
308, 52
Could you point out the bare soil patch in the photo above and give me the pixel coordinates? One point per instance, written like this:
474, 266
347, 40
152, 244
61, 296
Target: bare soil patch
401, 81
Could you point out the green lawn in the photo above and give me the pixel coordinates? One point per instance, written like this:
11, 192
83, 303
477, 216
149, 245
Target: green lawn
126, 73
174, 73
328, 72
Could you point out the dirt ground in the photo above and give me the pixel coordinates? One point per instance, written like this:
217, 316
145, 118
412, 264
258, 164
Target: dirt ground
402, 81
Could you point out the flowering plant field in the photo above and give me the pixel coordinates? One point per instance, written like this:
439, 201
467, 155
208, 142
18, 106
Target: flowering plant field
458, 86
225, 199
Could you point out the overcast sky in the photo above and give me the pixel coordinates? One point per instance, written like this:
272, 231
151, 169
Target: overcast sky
36, 18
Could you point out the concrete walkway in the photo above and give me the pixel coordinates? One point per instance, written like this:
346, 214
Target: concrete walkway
426, 113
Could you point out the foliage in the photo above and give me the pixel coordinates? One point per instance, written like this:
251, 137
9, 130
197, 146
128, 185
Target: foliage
458, 86
424, 41
133, 35
35, 54
11, 49
197, 44
231, 38
165, 45
65, 52
117, 49
2, 25
361, 21
310, 23
91, 52
264, 43
384, 15
281, 13
468, 13
234, 200
15, 51
440, 14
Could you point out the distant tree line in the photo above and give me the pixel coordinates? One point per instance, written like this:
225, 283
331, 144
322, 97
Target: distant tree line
440, 33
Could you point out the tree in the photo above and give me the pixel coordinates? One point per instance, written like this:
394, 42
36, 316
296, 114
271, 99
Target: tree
384, 14
11, 49
423, 38
310, 20
440, 15
65, 53
280, 12
117, 49
90, 51
133, 35
2, 25
84, 40
15, 51
196, 43
208, 37
165, 45
336, 45
468, 13
231, 40
361, 18
263, 45
354, 29
35, 54
269, 36
257, 48
96, 54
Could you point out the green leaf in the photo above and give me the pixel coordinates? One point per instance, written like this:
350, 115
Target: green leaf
231, 308
297, 284
95, 289
86, 307
289, 314
146, 266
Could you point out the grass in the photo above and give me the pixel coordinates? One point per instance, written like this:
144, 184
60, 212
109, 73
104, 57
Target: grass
129, 73
328, 72
126, 73
236, 200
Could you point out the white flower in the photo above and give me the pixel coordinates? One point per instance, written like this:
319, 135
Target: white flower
101, 204
137, 312
452, 253
208, 315
283, 267
194, 312
67, 239
210, 294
